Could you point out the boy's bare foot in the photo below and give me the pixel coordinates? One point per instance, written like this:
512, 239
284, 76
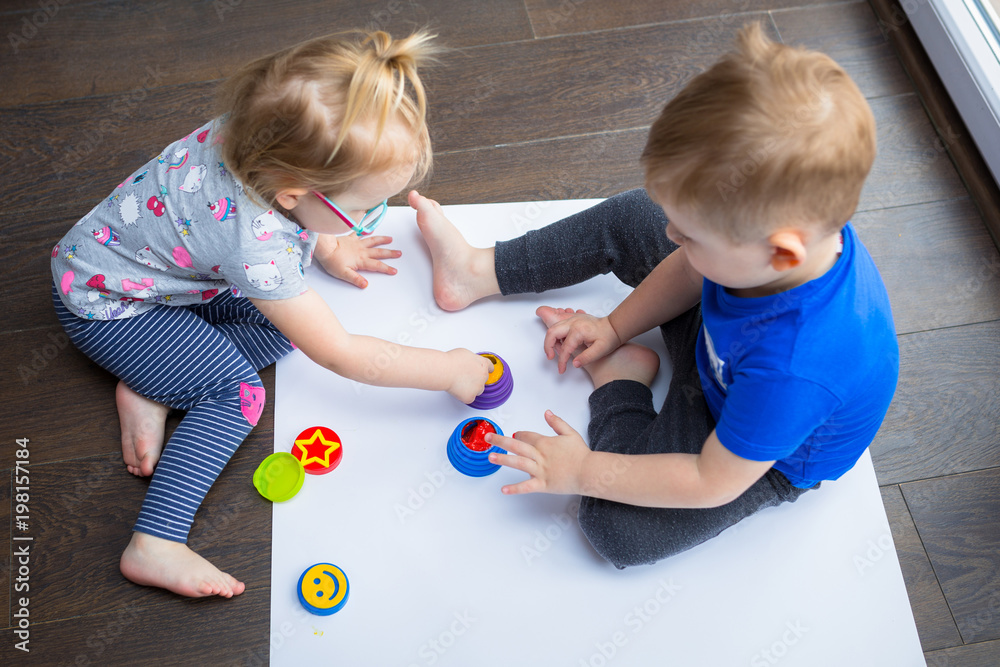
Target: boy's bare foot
143, 421
462, 274
631, 361
154, 561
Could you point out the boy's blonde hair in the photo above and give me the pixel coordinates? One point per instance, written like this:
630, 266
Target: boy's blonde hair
316, 115
769, 136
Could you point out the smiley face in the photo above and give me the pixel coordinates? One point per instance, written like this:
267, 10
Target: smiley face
323, 589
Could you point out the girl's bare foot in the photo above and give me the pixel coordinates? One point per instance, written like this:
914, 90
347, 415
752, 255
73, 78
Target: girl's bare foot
631, 361
462, 274
143, 422
154, 561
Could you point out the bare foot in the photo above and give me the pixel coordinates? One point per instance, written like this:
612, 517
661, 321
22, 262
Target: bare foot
143, 421
462, 274
154, 561
631, 361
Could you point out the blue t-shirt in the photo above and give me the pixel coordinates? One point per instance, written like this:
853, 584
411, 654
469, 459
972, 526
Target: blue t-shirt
804, 377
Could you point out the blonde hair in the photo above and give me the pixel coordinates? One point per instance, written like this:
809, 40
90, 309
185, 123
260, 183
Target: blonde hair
768, 136
316, 115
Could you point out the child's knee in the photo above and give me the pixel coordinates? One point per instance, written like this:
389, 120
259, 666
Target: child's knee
623, 536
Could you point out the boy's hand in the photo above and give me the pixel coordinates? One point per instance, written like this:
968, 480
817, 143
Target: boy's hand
555, 462
343, 256
565, 336
471, 371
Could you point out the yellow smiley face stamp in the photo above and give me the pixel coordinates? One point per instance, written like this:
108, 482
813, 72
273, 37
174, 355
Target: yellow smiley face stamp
323, 589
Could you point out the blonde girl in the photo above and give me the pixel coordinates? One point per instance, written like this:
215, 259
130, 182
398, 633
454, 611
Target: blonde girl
189, 278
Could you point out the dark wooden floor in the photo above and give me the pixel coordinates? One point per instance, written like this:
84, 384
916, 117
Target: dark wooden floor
540, 99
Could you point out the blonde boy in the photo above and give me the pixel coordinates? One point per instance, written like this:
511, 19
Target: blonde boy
777, 322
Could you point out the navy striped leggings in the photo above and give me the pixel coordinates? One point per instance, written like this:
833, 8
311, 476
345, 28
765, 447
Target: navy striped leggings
203, 359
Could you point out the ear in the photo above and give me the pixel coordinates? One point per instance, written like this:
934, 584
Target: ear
788, 249
289, 197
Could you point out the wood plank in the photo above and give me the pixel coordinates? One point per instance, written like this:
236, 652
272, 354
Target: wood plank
958, 518
849, 34
574, 168
66, 402
930, 610
912, 165
69, 54
549, 88
190, 632
982, 654
893, 21
72, 154
929, 250
79, 152
82, 516
7, 565
945, 417
566, 17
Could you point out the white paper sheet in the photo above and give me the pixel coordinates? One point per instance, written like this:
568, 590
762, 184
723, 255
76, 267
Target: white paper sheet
445, 570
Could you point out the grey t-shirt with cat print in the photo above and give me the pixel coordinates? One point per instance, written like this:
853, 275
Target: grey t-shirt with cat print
176, 232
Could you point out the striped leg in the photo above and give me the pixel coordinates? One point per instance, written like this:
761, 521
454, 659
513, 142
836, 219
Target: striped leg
176, 358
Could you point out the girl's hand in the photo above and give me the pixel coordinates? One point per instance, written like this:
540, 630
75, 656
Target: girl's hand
470, 374
580, 329
343, 256
555, 463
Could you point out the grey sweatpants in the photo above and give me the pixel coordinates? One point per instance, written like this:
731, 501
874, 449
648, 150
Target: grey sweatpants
626, 235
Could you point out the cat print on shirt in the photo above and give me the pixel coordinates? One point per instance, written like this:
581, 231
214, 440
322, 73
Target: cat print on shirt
149, 258
264, 225
265, 277
193, 179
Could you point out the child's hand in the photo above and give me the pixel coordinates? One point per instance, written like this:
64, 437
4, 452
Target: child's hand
343, 256
471, 371
569, 333
555, 463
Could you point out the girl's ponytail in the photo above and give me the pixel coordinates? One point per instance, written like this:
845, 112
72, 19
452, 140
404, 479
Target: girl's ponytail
378, 87
313, 115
